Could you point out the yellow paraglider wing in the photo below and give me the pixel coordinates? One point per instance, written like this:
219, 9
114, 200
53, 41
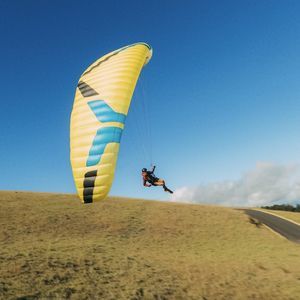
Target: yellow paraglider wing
101, 104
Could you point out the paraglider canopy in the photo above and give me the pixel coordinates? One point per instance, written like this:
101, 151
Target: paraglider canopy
101, 104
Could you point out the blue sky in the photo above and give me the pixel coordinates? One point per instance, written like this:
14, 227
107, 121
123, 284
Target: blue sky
222, 89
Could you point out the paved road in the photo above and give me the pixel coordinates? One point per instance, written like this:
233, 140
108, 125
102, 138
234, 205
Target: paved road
288, 229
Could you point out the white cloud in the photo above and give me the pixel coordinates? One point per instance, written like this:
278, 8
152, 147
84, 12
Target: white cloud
268, 183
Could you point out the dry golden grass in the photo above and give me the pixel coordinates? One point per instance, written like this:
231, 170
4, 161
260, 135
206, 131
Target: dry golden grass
294, 216
52, 246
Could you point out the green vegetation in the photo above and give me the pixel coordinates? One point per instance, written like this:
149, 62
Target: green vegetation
52, 246
284, 207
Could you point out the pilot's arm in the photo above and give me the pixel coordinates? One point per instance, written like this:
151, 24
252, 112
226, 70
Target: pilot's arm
153, 169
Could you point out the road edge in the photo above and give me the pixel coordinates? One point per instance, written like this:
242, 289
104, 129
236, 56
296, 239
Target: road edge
271, 213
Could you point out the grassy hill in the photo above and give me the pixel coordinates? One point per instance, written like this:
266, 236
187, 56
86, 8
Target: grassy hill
52, 246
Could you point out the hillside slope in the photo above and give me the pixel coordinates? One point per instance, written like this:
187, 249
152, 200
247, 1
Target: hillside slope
52, 246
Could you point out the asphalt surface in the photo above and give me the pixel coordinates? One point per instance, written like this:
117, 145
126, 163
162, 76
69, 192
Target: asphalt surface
288, 229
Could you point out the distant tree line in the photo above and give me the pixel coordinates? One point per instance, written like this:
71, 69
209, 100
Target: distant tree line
286, 207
